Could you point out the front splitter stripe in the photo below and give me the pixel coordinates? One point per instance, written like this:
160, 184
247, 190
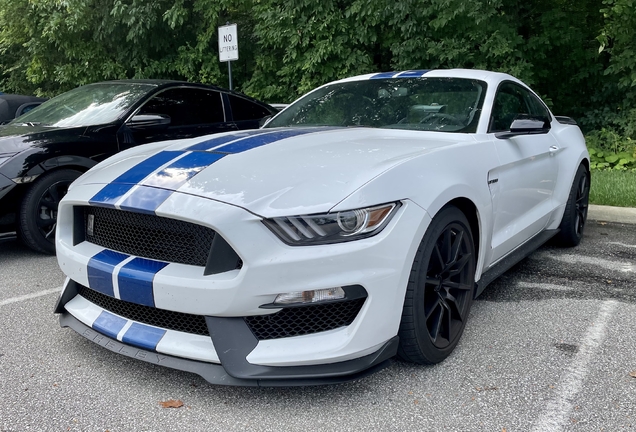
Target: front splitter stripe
109, 324
143, 336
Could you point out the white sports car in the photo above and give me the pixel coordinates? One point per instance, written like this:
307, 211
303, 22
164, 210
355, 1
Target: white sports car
357, 225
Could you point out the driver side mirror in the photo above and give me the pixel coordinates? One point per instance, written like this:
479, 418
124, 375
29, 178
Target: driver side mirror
526, 125
149, 121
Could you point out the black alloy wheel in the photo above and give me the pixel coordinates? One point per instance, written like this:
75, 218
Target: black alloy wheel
440, 290
38, 212
575, 214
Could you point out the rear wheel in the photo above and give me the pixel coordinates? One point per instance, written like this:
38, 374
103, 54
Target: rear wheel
440, 290
38, 211
575, 214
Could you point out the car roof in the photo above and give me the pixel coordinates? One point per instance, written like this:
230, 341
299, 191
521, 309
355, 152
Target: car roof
483, 75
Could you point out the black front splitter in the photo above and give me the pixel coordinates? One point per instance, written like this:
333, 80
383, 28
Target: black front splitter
335, 373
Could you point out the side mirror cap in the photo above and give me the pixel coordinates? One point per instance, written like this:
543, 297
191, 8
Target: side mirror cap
149, 121
526, 125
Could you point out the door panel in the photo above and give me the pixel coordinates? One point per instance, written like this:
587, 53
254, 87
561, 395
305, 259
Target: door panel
522, 187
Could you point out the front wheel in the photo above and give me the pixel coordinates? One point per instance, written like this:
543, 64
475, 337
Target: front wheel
440, 290
38, 211
575, 214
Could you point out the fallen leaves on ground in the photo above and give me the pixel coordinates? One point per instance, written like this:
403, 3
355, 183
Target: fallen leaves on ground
172, 403
632, 374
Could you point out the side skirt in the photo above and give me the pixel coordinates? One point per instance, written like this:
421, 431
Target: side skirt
504, 264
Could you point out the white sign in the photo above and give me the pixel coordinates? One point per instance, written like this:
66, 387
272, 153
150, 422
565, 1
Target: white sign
228, 43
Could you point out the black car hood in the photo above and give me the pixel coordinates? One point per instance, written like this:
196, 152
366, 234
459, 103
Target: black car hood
16, 138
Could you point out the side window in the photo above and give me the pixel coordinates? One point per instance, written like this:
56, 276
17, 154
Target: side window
510, 101
187, 106
537, 108
243, 109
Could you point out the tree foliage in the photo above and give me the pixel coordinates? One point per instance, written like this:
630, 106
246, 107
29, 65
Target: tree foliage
580, 55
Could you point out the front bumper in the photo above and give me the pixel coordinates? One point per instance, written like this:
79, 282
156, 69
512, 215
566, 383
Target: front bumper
237, 371
381, 264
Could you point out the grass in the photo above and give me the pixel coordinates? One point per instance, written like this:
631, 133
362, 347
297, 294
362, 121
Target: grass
613, 188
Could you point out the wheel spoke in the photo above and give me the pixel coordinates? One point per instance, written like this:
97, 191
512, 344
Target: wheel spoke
435, 328
456, 247
453, 304
44, 223
457, 285
435, 305
459, 265
51, 205
447, 246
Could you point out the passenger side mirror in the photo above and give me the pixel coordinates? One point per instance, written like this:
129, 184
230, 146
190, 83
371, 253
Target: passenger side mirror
149, 121
526, 125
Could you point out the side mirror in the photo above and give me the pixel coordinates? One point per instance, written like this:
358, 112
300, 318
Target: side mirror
149, 121
526, 125
264, 120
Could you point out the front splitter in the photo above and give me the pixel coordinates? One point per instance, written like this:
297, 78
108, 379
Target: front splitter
217, 374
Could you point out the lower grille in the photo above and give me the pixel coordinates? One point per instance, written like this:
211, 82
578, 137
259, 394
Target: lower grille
304, 320
162, 318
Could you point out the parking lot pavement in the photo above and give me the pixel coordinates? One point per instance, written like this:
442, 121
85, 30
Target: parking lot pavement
549, 347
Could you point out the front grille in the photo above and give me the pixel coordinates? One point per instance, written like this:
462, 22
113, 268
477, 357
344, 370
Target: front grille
162, 318
150, 236
304, 320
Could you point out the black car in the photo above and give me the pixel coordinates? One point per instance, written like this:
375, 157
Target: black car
13, 105
43, 151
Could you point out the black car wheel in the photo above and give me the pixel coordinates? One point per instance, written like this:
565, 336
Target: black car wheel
440, 290
575, 214
38, 212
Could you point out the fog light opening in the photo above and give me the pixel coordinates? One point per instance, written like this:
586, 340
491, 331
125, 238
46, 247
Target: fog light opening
307, 297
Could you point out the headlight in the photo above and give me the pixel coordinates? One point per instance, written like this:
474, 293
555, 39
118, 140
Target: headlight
332, 227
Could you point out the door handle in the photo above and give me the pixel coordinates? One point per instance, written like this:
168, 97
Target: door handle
553, 150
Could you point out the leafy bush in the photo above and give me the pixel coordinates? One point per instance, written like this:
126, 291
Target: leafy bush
611, 151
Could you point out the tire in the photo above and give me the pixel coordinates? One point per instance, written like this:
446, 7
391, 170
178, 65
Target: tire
442, 286
575, 214
38, 211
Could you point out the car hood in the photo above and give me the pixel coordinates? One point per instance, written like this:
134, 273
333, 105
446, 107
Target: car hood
296, 171
14, 138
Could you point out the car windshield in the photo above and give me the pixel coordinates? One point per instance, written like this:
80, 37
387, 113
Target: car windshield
92, 104
432, 104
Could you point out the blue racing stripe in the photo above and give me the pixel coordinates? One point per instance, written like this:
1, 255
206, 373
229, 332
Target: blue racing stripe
383, 75
112, 192
261, 140
109, 324
213, 142
143, 336
100, 271
412, 74
175, 175
135, 280
145, 199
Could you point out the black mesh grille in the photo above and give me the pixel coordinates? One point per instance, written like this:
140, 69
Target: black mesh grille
304, 320
150, 236
162, 318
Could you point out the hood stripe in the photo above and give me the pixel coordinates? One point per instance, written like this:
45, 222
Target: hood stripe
260, 140
144, 187
216, 141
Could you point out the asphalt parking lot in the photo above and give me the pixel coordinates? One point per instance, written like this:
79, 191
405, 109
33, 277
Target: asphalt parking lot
549, 347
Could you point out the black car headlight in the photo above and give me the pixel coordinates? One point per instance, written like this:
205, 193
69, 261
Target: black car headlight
334, 227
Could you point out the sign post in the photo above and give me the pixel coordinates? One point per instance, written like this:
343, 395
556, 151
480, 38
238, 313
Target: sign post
228, 46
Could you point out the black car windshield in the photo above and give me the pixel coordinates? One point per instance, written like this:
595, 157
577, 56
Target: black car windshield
92, 104
432, 104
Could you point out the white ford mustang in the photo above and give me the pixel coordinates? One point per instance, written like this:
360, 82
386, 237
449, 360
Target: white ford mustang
357, 225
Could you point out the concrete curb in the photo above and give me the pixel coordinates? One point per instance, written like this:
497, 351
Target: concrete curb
626, 215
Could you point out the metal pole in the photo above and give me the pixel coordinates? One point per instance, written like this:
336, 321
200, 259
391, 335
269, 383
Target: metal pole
229, 70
